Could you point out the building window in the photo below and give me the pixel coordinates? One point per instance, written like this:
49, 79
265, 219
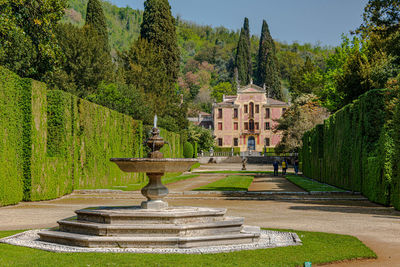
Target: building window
246, 125
235, 113
267, 114
220, 113
267, 127
235, 142
245, 109
257, 109
283, 110
256, 125
235, 126
219, 141
251, 125
251, 106
220, 126
266, 142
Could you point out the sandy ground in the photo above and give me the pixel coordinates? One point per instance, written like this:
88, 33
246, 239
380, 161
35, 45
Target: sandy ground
377, 226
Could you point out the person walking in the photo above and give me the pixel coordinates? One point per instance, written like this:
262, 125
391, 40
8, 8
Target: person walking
296, 166
276, 167
284, 167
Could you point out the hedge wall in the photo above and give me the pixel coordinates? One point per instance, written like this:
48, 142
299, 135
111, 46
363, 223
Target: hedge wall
355, 148
51, 142
11, 135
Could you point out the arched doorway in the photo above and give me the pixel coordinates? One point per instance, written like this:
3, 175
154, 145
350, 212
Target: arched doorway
251, 143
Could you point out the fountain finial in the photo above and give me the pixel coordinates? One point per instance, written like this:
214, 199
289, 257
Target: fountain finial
155, 142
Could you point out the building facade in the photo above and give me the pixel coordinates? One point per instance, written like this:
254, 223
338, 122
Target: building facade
246, 120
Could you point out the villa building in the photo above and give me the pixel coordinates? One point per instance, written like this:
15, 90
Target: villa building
246, 120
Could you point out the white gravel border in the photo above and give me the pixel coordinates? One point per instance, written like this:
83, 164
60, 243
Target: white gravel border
268, 239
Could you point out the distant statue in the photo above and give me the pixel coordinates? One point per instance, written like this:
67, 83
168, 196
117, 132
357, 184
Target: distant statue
244, 161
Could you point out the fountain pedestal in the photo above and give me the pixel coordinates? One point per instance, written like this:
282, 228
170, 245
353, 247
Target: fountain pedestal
154, 191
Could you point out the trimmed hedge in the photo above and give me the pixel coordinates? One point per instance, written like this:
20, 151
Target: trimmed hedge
236, 150
12, 89
357, 148
52, 142
188, 150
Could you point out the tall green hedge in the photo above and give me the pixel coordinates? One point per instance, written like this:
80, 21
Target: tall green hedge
103, 134
52, 142
12, 89
356, 148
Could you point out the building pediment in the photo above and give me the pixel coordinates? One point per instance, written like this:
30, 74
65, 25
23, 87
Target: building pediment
251, 89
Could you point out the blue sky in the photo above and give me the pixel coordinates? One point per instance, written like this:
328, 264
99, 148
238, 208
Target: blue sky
289, 20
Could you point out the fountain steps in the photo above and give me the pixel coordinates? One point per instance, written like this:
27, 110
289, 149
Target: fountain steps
174, 227
133, 215
226, 226
81, 240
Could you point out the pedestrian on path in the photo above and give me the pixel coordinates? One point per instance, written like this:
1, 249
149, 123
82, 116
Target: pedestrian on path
284, 167
296, 165
276, 167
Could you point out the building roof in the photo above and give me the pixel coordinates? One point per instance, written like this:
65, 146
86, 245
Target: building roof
251, 88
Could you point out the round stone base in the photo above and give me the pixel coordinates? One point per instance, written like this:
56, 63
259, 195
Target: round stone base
268, 239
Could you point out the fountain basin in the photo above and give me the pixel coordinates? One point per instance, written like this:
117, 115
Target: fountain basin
153, 165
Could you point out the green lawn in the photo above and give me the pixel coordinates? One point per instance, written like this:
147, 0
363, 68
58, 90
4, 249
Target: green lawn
311, 185
317, 248
165, 180
229, 183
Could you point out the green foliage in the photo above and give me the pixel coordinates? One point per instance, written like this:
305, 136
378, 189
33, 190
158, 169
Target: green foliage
236, 150
86, 62
158, 28
301, 116
311, 185
355, 149
267, 64
224, 88
201, 137
229, 183
27, 42
11, 137
144, 68
243, 55
95, 18
55, 142
188, 150
316, 247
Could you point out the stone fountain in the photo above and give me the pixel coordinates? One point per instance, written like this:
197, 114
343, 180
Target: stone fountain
154, 224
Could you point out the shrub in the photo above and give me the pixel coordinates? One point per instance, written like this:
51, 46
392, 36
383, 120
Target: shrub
188, 150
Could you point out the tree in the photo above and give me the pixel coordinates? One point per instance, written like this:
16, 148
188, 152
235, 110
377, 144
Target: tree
202, 136
301, 116
381, 16
224, 88
95, 18
27, 42
144, 68
86, 62
158, 28
243, 55
267, 65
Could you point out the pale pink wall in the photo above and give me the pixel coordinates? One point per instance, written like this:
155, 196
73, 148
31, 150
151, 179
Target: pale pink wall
228, 140
227, 119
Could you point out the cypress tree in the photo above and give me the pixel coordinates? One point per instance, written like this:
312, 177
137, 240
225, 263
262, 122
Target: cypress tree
267, 65
96, 19
243, 55
158, 27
